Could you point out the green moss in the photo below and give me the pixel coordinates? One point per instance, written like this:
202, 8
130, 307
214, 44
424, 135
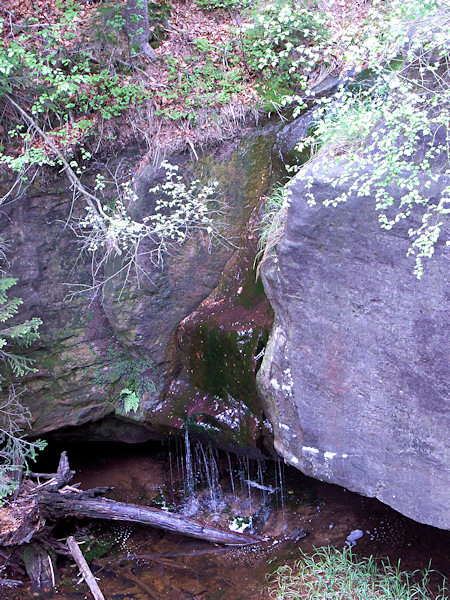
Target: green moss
252, 290
222, 362
272, 92
94, 547
133, 374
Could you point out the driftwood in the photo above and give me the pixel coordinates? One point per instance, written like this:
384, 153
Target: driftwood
84, 568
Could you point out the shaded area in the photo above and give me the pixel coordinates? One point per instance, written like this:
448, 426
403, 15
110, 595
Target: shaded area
136, 563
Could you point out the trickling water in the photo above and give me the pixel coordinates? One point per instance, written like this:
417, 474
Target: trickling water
249, 486
189, 489
280, 475
172, 489
201, 470
191, 503
178, 455
209, 478
231, 476
261, 480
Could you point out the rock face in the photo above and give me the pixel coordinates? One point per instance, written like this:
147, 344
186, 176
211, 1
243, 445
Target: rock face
92, 347
355, 374
221, 345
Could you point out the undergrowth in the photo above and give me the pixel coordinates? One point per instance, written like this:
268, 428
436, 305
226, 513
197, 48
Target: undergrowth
63, 83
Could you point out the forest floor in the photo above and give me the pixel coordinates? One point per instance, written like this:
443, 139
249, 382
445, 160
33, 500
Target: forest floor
205, 83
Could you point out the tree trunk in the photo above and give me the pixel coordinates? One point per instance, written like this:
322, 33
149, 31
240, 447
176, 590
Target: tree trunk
138, 26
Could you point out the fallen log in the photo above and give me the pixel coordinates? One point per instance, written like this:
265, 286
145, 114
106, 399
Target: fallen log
76, 504
26, 523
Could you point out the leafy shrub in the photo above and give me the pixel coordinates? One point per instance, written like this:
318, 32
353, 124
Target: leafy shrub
180, 209
201, 84
286, 42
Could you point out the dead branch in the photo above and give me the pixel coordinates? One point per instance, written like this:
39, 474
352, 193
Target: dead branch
92, 201
84, 568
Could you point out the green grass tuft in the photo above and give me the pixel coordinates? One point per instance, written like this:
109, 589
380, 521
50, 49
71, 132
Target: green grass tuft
273, 223
331, 574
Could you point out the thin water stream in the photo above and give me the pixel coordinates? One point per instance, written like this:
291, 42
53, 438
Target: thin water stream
265, 497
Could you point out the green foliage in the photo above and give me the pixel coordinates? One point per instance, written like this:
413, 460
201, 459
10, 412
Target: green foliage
161, 501
96, 546
284, 44
15, 451
391, 131
13, 335
135, 374
200, 85
388, 127
223, 4
41, 68
180, 209
331, 573
131, 401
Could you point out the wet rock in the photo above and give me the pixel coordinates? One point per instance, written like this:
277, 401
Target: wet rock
220, 347
291, 135
355, 375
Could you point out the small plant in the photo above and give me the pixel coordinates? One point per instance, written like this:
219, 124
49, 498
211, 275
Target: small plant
96, 546
135, 374
335, 574
240, 524
131, 401
161, 501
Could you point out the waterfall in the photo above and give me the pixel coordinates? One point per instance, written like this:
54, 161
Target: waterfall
252, 491
230, 470
171, 473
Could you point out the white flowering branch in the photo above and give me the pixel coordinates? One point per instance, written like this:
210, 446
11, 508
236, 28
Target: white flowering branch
180, 209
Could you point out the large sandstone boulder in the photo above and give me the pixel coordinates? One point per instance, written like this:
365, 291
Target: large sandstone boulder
355, 374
